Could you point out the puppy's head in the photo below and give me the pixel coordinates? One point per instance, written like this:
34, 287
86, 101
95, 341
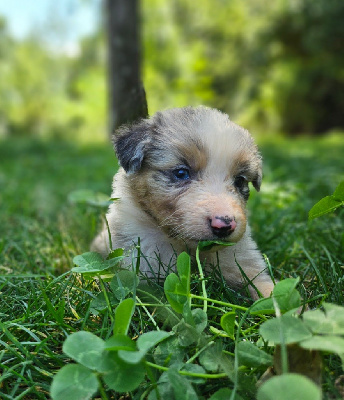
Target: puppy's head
189, 169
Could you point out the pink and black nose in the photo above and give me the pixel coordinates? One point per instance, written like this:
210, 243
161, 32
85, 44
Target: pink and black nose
222, 226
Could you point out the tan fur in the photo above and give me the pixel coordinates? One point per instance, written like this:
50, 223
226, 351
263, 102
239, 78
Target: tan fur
170, 216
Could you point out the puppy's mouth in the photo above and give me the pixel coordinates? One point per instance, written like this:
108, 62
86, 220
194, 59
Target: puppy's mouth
219, 236
210, 238
215, 238
213, 245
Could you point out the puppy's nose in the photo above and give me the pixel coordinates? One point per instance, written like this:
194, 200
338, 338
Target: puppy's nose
222, 226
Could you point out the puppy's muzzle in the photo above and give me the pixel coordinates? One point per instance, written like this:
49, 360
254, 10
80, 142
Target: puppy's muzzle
222, 226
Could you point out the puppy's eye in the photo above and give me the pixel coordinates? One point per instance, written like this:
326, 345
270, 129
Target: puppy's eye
240, 182
181, 174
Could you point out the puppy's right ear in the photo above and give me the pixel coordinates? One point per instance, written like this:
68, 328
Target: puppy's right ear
131, 143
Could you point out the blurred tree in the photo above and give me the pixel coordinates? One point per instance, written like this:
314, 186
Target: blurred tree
46, 92
176, 66
274, 65
5, 44
127, 96
207, 54
86, 88
310, 39
31, 86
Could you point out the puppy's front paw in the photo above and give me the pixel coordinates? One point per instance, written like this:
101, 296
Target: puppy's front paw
265, 288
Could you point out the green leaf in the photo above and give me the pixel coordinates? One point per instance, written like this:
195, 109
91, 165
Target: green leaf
224, 394
144, 343
285, 329
228, 323
120, 342
123, 283
167, 383
336, 314
89, 197
287, 387
263, 306
168, 352
329, 322
164, 389
251, 356
226, 364
115, 253
99, 303
183, 268
85, 348
177, 289
74, 382
175, 293
218, 332
195, 369
187, 315
200, 319
330, 343
88, 261
339, 192
187, 333
210, 358
182, 388
287, 297
325, 206
206, 245
92, 262
123, 314
150, 339
119, 375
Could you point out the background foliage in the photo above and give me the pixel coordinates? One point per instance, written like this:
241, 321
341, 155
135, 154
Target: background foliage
274, 66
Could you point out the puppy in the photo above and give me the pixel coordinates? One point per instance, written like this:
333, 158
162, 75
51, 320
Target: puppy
184, 178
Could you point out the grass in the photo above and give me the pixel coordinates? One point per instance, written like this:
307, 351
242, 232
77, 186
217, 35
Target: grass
41, 232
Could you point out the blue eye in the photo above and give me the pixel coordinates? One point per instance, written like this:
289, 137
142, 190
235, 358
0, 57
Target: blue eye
240, 182
182, 174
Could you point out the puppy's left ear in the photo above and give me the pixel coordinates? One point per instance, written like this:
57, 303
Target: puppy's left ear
131, 143
257, 180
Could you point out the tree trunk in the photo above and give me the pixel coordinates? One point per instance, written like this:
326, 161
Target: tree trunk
127, 98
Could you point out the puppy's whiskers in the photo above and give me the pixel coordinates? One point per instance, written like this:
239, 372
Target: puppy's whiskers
186, 231
168, 220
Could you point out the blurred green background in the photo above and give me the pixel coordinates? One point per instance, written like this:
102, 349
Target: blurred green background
272, 66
